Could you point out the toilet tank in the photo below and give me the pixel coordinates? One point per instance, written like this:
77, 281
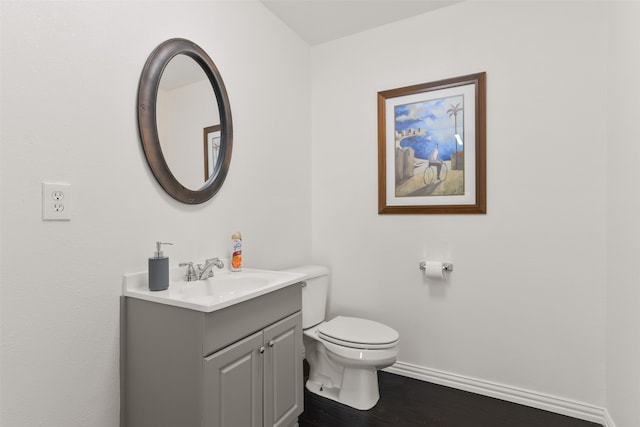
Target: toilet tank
314, 293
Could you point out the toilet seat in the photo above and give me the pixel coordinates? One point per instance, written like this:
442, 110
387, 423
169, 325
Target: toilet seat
358, 333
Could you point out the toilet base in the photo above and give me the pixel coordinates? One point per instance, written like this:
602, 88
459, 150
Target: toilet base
359, 389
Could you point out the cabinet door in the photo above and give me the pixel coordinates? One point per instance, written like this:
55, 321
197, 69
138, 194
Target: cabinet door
283, 391
233, 385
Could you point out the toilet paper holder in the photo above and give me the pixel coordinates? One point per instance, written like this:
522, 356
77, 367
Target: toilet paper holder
445, 266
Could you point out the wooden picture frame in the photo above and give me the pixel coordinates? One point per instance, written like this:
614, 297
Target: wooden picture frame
432, 147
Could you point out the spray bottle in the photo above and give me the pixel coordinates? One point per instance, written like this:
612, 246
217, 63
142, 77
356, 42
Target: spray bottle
236, 251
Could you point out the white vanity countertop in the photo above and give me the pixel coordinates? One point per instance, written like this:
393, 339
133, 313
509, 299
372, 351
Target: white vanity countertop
226, 288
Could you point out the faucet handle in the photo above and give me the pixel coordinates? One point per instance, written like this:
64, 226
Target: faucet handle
215, 261
191, 271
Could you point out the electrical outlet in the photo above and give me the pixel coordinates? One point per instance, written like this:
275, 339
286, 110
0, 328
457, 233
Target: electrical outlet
56, 202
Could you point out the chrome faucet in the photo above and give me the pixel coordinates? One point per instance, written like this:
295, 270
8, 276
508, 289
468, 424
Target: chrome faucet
206, 271
201, 272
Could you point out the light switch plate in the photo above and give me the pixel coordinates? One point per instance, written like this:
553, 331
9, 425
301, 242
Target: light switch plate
56, 202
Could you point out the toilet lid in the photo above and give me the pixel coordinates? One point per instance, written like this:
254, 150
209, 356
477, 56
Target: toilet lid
358, 333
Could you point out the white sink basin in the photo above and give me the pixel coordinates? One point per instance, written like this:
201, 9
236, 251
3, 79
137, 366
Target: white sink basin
224, 289
222, 286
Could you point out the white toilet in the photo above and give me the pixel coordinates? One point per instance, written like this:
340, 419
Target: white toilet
345, 353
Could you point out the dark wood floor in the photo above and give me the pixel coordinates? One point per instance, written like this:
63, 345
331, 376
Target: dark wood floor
405, 402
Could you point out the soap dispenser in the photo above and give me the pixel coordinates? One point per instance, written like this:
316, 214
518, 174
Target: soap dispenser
159, 269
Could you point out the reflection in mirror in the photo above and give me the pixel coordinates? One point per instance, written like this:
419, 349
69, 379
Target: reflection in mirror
186, 105
181, 98
212, 139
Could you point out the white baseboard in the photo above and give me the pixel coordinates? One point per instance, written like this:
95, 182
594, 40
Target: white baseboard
554, 404
608, 421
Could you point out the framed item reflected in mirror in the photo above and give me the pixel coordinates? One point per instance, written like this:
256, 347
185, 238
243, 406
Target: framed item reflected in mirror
212, 136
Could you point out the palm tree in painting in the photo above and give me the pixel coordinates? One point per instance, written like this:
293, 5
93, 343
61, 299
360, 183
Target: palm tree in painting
453, 111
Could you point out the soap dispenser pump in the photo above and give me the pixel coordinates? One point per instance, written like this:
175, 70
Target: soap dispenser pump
159, 269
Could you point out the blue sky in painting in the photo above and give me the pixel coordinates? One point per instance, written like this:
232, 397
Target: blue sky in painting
432, 116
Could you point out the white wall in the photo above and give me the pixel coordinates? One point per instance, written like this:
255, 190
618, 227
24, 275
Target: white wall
69, 81
623, 202
525, 305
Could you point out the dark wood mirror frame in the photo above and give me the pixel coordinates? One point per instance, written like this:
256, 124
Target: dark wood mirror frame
148, 127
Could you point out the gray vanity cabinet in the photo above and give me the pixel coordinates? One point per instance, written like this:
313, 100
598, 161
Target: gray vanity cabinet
233, 385
283, 381
256, 381
240, 366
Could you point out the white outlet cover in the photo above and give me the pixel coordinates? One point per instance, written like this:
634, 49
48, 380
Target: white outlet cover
56, 202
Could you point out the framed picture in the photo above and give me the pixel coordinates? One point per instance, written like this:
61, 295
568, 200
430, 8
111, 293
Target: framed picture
431, 147
211, 149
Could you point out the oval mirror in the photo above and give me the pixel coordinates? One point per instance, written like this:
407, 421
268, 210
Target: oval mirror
184, 120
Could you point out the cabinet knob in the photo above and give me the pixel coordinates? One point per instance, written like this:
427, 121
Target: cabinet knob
272, 343
261, 349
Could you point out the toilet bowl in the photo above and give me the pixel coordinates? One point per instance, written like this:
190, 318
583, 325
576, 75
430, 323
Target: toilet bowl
344, 353
347, 371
